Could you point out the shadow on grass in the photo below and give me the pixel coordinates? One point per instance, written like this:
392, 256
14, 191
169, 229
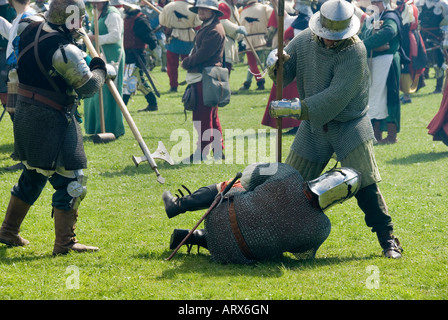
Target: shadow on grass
5, 260
145, 168
420, 157
202, 263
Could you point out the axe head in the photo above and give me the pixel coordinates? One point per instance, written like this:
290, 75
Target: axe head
160, 153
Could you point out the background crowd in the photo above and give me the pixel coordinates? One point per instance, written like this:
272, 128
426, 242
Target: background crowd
404, 40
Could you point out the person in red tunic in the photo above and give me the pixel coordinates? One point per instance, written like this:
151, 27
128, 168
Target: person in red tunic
290, 91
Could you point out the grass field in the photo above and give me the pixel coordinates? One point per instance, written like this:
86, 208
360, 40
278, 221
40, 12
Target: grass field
123, 215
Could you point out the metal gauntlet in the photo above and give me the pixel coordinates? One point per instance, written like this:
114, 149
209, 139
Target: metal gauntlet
285, 108
111, 71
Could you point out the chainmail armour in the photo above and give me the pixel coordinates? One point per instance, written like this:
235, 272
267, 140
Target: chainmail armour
274, 217
33, 141
333, 84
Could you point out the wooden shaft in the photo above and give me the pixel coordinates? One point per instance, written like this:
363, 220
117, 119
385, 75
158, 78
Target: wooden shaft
279, 92
152, 6
124, 110
100, 93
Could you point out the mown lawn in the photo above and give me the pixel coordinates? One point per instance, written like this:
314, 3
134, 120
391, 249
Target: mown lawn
123, 215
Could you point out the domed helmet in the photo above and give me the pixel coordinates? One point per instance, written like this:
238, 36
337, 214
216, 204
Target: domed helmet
335, 20
66, 12
209, 4
332, 187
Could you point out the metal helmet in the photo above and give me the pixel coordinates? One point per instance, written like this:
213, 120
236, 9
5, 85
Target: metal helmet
209, 4
64, 12
335, 20
334, 186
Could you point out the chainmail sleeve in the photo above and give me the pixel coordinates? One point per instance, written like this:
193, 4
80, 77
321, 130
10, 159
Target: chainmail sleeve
333, 84
93, 85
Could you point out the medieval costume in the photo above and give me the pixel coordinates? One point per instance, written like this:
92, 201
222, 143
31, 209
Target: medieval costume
270, 211
53, 76
329, 63
110, 38
296, 26
179, 23
383, 46
8, 13
230, 22
415, 50
137, 34
432, 16
255, 17
159, 53
438, 126
9, 31
208, 51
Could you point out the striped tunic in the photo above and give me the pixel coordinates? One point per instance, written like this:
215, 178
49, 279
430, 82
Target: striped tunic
333, 85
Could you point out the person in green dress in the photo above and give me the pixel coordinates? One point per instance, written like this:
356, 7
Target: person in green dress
110, 39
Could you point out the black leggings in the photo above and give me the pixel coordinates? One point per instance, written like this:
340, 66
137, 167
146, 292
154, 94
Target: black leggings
31, 183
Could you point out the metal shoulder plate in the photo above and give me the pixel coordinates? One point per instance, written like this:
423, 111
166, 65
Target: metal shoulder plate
27, 21
68, 61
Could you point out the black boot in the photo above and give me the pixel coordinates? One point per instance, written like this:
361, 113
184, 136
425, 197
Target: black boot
126, 98
152, 102
389, 243
439, 84
372, 203
196, 238
198, 200
260, 84
246, 85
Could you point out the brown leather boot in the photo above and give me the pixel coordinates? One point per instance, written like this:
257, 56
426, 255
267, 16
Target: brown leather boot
391, 134
9, 232
64, 225
377, 131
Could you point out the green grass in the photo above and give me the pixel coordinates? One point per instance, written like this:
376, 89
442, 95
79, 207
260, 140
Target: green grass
123, 215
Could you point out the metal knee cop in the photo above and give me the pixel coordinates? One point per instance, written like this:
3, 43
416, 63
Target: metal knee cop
77, 189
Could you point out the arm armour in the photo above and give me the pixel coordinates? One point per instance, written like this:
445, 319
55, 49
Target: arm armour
69, 62
93, 85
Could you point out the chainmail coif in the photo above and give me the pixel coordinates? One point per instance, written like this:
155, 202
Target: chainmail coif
274, 217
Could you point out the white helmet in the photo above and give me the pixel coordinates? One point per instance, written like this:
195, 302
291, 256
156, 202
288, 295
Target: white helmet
334, 186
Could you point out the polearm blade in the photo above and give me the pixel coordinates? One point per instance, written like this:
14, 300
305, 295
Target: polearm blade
126, 114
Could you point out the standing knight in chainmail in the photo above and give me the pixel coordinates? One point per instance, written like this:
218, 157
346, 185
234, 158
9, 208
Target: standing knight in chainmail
53, 76
270, 211
329, 62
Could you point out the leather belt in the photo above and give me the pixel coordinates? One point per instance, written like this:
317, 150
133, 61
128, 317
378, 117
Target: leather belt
34, 96
237, 232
